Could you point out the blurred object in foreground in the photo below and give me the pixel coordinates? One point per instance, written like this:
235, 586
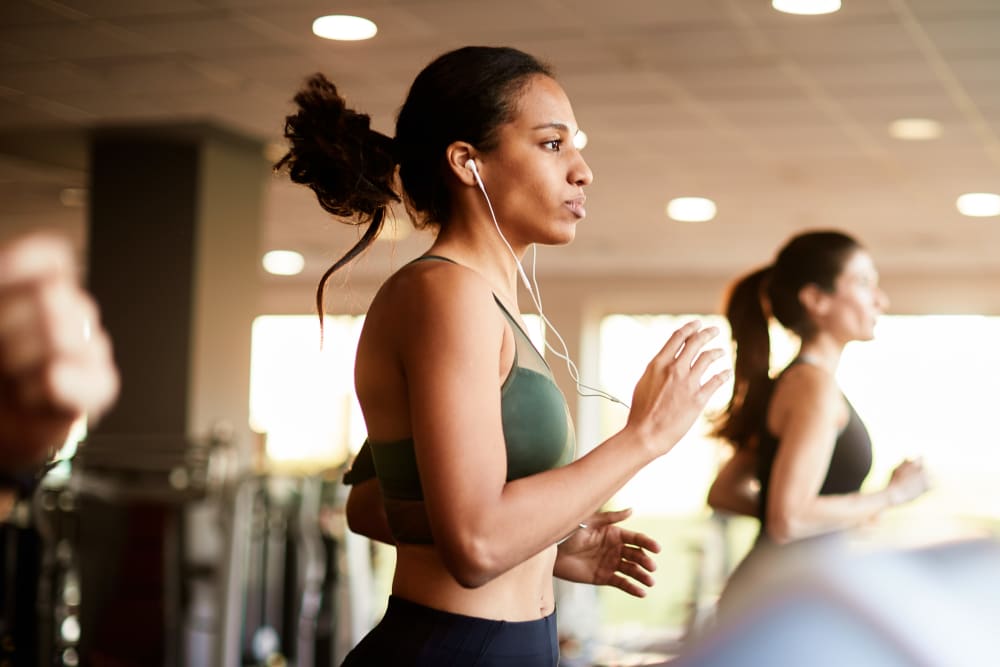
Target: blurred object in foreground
932, 606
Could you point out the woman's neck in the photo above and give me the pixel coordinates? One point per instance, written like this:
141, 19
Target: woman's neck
822, 353
484, 252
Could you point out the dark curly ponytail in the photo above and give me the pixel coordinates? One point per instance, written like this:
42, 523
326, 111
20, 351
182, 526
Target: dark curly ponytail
350, 167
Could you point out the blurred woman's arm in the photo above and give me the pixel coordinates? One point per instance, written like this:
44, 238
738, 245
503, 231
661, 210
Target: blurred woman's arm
811, 411
735, 489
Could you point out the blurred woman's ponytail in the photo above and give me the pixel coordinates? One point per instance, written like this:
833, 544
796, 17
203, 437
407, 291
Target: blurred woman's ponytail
749, 316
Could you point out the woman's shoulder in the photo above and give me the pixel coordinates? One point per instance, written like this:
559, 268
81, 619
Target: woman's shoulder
806, 389
435, 287
431, 275
808, 380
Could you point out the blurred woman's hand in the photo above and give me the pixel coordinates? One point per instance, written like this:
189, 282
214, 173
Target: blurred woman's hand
908, 481
55, 358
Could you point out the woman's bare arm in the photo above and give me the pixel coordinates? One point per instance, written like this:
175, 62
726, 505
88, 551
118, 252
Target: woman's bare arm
812, 410
366, 512
735, 489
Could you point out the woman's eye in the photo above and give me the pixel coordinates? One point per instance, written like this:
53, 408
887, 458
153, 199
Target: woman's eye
554, 145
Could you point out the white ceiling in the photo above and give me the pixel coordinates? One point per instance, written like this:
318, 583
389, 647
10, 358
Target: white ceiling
781, 119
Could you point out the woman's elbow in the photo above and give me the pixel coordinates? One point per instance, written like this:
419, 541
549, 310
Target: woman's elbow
717, 500
710, 500
781, 527
470, 562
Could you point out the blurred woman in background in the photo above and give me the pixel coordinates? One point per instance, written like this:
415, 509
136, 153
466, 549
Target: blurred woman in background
801, 453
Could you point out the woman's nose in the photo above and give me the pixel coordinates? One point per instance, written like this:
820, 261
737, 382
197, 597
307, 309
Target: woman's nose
581, 174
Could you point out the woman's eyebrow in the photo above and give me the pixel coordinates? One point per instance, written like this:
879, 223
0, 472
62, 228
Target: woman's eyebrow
554, 125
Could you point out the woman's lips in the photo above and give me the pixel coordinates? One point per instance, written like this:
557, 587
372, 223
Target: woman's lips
575, 206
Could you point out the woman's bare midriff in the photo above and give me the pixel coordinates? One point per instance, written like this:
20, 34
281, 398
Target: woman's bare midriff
523, 593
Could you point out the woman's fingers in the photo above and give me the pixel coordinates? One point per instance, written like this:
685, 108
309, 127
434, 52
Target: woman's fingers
627, 585
636, 573
638, 558
694, 344
685, 351
668, 353
684, 345
634, 568
641, 540
713, 384
705, 360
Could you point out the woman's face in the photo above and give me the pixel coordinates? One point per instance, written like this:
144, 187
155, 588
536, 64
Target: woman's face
535, 176
856, 302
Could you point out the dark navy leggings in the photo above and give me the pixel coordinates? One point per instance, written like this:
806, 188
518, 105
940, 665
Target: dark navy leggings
411, 634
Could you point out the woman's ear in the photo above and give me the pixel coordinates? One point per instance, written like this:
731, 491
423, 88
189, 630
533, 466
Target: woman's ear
814, 299
457, 155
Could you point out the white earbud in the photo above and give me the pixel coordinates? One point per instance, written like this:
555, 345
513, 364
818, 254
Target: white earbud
470, 164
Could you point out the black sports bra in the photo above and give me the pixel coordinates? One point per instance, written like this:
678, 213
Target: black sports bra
850, 462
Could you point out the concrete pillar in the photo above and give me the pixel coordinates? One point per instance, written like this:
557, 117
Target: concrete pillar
173, 256
173, 247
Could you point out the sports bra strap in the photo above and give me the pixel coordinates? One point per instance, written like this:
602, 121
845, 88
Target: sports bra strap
440, 258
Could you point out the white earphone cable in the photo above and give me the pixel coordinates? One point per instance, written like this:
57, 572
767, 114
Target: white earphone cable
536, 298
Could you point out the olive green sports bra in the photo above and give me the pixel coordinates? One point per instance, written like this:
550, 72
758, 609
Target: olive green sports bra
537, 428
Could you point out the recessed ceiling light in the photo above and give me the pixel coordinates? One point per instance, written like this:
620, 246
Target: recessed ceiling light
914, 129
979, 204
344, 28
283, 262
691, 209
809, 7
580, 140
